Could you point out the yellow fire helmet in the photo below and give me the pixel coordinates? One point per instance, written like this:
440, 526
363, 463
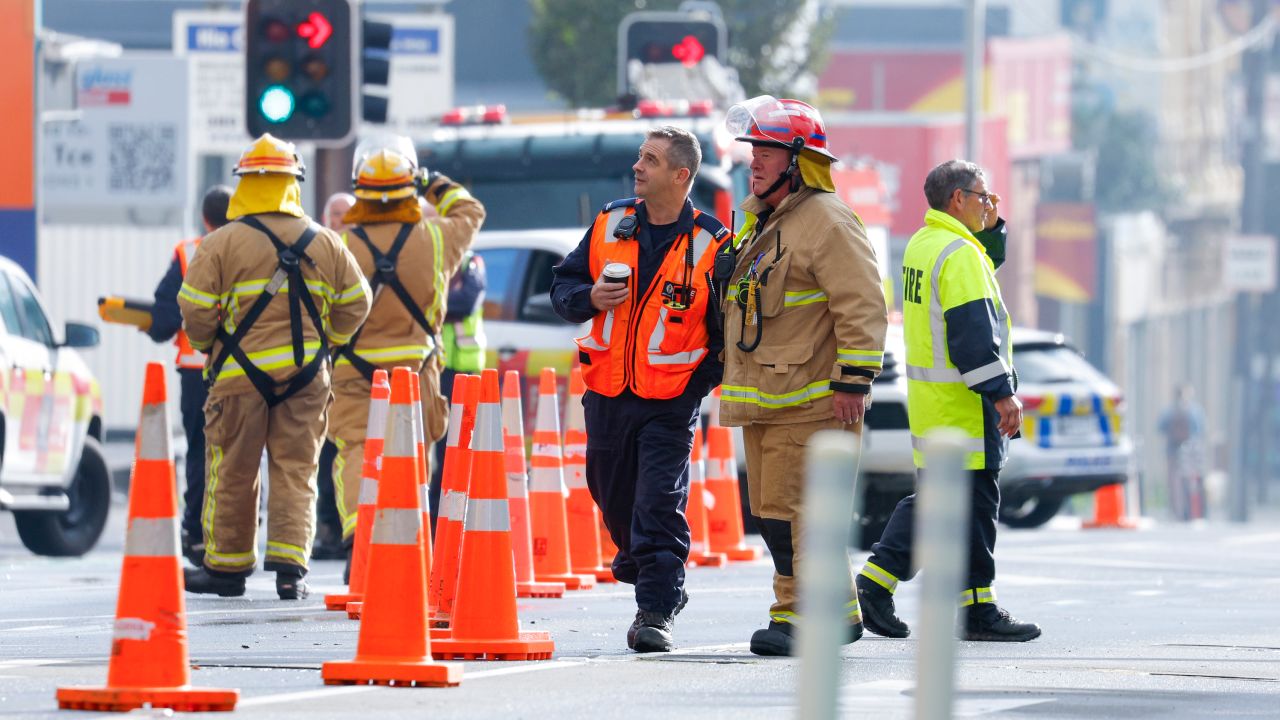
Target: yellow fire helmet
385, 175
269, 154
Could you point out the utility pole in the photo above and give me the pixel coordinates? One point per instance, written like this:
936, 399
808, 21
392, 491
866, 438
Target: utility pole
974, 57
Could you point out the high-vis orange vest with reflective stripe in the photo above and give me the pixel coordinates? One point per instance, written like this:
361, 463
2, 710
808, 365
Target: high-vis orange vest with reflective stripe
654, 340
188, 357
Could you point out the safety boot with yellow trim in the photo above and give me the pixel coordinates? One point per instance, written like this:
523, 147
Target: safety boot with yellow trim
878, 611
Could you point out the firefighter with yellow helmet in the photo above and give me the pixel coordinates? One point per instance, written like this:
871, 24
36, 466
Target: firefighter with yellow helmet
265, 297
804, 330
408, 261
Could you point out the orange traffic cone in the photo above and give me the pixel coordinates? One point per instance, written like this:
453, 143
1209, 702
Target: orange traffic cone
546, 494
379, 397
696, 511
724, 516
518, 492
424, 482
1109, 510
453, 496
485, 625
149, 664
582, 514
394, 646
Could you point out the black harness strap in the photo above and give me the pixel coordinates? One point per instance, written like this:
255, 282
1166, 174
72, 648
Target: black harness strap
385, 274
289, 267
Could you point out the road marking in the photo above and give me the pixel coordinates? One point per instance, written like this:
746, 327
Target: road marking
31, 662
319, 611
348, 689
25, 628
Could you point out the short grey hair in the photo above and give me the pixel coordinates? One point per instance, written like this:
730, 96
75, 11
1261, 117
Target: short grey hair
945, 179
683, 151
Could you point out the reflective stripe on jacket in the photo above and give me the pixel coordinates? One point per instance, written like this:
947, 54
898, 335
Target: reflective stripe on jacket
652, 342
956, 329
188, 357
464, 343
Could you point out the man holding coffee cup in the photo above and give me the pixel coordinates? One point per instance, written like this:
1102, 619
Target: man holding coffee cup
641, 277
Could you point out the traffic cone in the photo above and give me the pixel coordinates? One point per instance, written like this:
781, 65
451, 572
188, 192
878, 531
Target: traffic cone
485, 624
371, 469
696, 511
453, 496
149, 664
550, 532
724, 516
581, 512
1109, 510
518, 492
394, 646
424, 483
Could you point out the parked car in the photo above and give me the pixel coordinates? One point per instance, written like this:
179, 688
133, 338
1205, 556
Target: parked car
53, 475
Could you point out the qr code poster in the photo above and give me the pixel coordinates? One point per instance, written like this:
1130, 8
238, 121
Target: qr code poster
129, 145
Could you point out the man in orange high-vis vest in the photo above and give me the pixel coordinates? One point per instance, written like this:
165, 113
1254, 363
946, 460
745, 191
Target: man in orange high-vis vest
166, 324
651, 356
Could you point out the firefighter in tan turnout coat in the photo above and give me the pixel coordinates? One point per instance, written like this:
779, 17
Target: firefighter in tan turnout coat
804, 331
408, 261
266, 296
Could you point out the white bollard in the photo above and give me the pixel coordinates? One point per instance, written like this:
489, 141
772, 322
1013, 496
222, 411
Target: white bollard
942, 554
832, 466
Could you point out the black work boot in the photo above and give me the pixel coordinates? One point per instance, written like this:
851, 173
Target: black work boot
684, 600
328, 543
211, 582
292, 585
651, 632
877, 609
193, 548
346, 570
774, 640
985, 622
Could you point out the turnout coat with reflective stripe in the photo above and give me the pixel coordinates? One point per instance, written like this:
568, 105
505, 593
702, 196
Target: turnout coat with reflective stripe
234, 265
822, 308
649, 342
427, 261
957, 336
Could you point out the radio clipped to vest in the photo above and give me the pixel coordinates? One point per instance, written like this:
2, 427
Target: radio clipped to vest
289, 260
749, 296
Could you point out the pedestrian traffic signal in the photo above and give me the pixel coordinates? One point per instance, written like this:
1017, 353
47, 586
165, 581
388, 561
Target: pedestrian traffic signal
299, 82
669, 37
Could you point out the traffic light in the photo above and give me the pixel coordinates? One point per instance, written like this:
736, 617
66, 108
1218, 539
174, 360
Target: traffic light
299, 81
375, 69
670, 37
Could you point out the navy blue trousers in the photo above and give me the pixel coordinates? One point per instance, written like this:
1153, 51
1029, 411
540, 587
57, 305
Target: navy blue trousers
194, 394
893, 552
638, 473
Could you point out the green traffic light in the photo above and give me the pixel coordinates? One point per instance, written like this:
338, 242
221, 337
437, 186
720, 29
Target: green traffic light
276, 104
314, 104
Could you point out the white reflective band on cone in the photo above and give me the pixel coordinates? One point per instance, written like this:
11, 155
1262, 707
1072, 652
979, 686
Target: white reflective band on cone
153, 433
516, 485
718, 469
396, 526
132, 629
575, 450
546, 450
575, 479
453, 505
487, 516
377, 420
152, 537
487, 436
400, 442
545, 480
424, 498
455, 426
368, 491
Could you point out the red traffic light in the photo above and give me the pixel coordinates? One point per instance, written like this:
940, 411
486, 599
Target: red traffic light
316, 29
689, 51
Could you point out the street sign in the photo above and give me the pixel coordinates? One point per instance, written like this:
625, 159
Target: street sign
129, 144
213, 43
1249, 263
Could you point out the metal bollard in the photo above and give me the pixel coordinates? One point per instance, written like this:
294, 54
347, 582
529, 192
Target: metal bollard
941, 552
832, 462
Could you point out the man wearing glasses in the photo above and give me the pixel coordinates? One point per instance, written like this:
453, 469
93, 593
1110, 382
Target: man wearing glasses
959, 375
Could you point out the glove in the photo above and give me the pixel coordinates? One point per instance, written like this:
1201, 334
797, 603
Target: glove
431, 182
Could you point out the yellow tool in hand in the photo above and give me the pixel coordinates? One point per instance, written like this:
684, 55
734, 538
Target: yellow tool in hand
125, 311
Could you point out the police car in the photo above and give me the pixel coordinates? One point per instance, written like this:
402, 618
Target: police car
53, 475
1072, 440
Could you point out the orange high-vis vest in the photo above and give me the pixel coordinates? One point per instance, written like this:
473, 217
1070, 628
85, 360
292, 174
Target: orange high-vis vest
653, 341
188, 357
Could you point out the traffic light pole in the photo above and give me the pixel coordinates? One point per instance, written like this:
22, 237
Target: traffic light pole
332, 172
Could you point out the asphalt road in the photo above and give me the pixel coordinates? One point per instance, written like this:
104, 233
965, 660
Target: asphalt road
1164, 622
